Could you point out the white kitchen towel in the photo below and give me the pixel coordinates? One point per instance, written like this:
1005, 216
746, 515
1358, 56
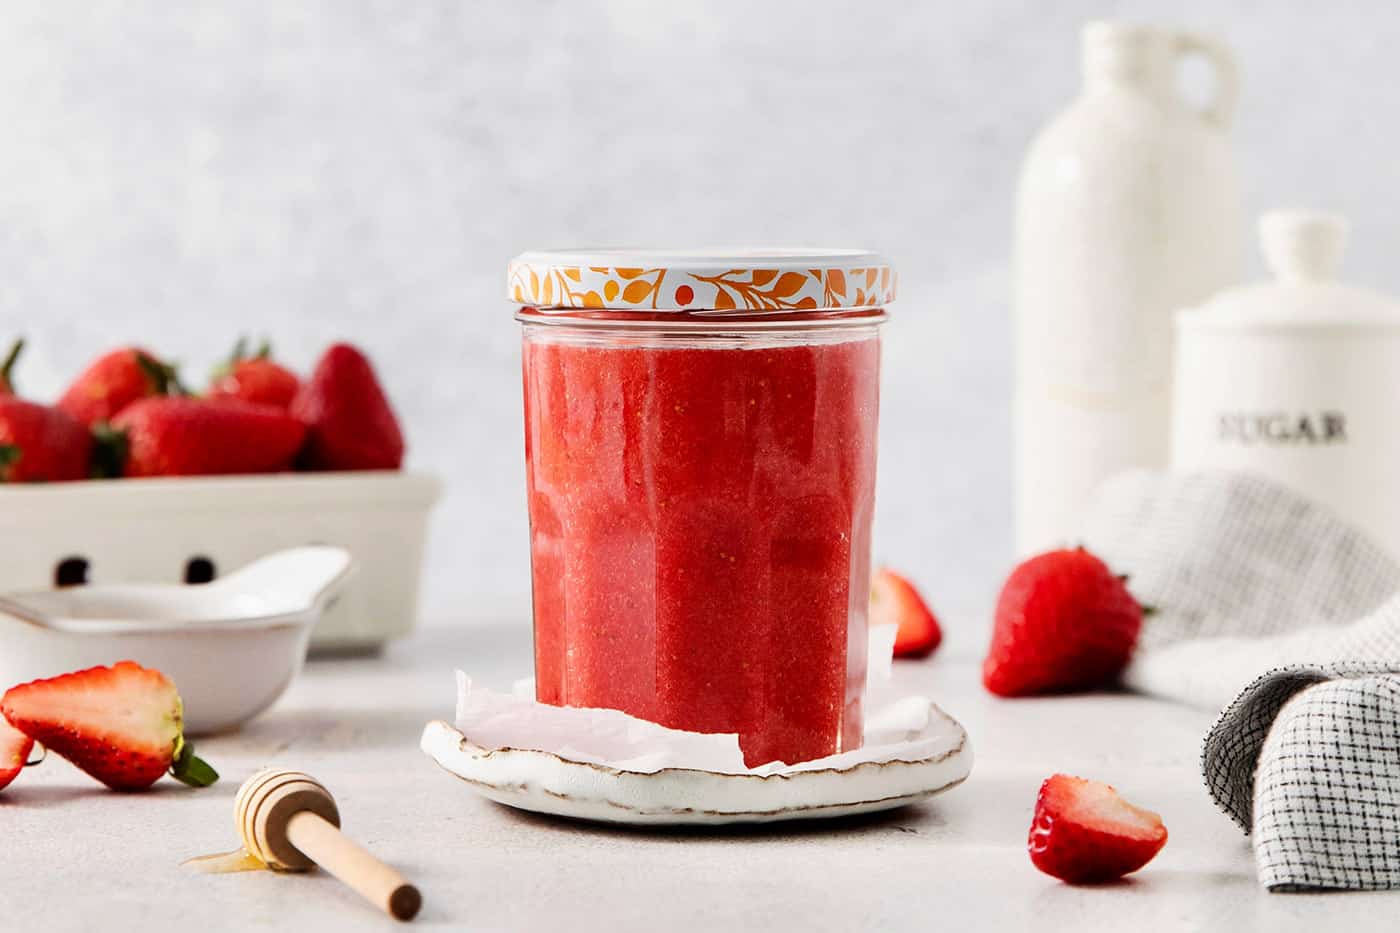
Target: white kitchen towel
1307, 759
1244, 576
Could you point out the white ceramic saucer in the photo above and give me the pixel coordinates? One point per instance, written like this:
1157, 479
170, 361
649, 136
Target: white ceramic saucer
231, 646
551, 783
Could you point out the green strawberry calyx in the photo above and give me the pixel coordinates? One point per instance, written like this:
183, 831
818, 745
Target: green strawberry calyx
9, 456
109, 451
189, 768
239, 354
164, 378
1148, 610
7, 367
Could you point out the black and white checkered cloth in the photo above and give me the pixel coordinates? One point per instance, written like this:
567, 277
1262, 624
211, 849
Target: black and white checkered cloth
1269, 599
1307, 759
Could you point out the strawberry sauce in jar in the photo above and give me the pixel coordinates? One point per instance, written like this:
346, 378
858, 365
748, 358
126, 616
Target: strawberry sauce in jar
700, 458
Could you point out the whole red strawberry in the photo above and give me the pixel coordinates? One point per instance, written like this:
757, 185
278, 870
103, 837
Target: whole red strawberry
39, 444
895, 601
1064, 621
7, 367
123, 724
176, 436
115, 380
1083, 832
350, 424
255, 378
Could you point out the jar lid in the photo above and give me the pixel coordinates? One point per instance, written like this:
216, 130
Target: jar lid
743, 281
1304, 250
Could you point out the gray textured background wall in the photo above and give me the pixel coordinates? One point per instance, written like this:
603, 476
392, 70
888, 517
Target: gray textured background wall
177, 174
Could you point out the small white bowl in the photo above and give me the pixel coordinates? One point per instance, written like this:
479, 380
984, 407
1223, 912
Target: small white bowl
231, 646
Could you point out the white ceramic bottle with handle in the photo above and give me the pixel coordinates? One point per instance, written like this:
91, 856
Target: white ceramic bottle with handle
1128, 209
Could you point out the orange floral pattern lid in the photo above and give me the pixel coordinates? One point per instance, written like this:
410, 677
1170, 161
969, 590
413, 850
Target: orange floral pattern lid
740, 281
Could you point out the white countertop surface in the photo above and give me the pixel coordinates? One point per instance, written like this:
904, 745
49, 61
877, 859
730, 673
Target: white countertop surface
81, 857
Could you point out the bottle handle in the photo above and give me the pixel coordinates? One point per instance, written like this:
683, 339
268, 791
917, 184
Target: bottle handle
1221, 111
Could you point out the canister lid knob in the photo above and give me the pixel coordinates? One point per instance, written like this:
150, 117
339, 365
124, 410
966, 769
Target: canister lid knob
1302, 246
1303, 249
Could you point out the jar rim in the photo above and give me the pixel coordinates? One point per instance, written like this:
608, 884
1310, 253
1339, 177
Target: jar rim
740, 281
699, 322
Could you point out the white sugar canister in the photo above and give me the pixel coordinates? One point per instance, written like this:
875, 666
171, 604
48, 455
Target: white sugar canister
1297, 379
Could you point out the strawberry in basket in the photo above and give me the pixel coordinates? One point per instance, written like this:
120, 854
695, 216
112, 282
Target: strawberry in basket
256, 378
115, 380
350, 423
176, 436
38, 443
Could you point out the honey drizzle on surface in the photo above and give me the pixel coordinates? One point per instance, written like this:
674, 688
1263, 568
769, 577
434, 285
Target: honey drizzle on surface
223, 863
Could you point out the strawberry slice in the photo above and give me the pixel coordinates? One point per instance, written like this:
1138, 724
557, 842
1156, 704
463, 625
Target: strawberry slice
895, 601
1064, 621
121, 724
1084, 832
15, 747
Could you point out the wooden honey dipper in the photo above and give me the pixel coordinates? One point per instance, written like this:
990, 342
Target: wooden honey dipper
289, 821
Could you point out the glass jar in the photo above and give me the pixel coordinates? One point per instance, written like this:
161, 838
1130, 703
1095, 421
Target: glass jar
700, 435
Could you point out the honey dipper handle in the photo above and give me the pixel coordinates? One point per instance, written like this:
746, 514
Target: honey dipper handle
376, 882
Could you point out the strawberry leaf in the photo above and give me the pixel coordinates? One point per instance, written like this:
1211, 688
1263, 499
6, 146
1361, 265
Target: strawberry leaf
7, 368
191, 769
109, 451
239, 354
165, 380
9, 456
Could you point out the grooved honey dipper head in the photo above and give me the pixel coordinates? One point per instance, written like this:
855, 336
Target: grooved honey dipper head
264, 805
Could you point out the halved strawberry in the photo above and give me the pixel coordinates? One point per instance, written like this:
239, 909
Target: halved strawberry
15, 747
121, 724
895, 601
1084, 832
1064, 621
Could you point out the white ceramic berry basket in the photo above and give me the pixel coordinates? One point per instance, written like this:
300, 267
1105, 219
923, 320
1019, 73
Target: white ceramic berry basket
183, 529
